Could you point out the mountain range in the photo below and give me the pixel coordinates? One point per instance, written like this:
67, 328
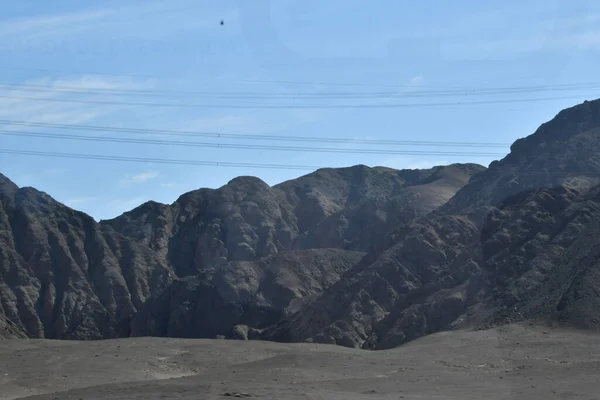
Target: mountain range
359, 257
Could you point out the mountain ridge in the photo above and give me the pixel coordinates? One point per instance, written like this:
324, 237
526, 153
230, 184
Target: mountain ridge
57, 260
63, 275
357, 256
434, 274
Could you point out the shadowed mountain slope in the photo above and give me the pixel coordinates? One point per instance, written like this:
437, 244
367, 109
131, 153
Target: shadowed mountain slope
519, 241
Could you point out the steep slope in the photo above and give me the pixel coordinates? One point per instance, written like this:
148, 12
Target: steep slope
253, 294
519, 241
249, 254
364, 226
538, 259
246, 219
64, 276
561, 151
8, 330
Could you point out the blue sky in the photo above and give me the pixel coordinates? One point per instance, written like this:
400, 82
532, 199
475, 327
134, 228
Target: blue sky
277, 46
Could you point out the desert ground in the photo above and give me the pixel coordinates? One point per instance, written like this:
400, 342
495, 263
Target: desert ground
513, 362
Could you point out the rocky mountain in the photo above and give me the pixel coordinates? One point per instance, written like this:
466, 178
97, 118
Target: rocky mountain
246, 219
363, 225
242, 297
242, 250
360, 257
519, 242
64, 276
246, 245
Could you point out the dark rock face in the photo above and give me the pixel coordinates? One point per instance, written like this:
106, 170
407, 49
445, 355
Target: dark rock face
364, 226
518, 242
64, 276
360, 257
252, 294
348, 208
562, 151
249, 254
8, 330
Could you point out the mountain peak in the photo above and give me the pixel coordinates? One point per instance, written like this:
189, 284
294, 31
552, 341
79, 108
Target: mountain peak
7, 186
247, 183
448, 247
148, 208
566, 124
563, 150
245, 180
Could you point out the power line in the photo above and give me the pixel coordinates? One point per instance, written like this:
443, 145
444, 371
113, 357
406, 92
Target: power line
280, 82
406, 85
320, 83
294, 106
241, 136
297, 95
245, 147
156, 160
284, 82
151, 92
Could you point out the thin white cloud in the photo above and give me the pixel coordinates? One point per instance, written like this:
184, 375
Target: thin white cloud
34, 100
168, 185
138, 178
96, 82
415, 83
416, 80
23, 26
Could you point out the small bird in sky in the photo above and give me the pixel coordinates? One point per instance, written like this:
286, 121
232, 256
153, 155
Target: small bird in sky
222, 22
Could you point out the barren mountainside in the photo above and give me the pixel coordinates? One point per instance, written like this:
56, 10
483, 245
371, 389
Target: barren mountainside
66, 276
62, 275
360, 257
519, 242
330, 208
231, 245
243, 296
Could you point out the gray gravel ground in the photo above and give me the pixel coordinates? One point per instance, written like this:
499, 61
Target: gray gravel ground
513, 362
